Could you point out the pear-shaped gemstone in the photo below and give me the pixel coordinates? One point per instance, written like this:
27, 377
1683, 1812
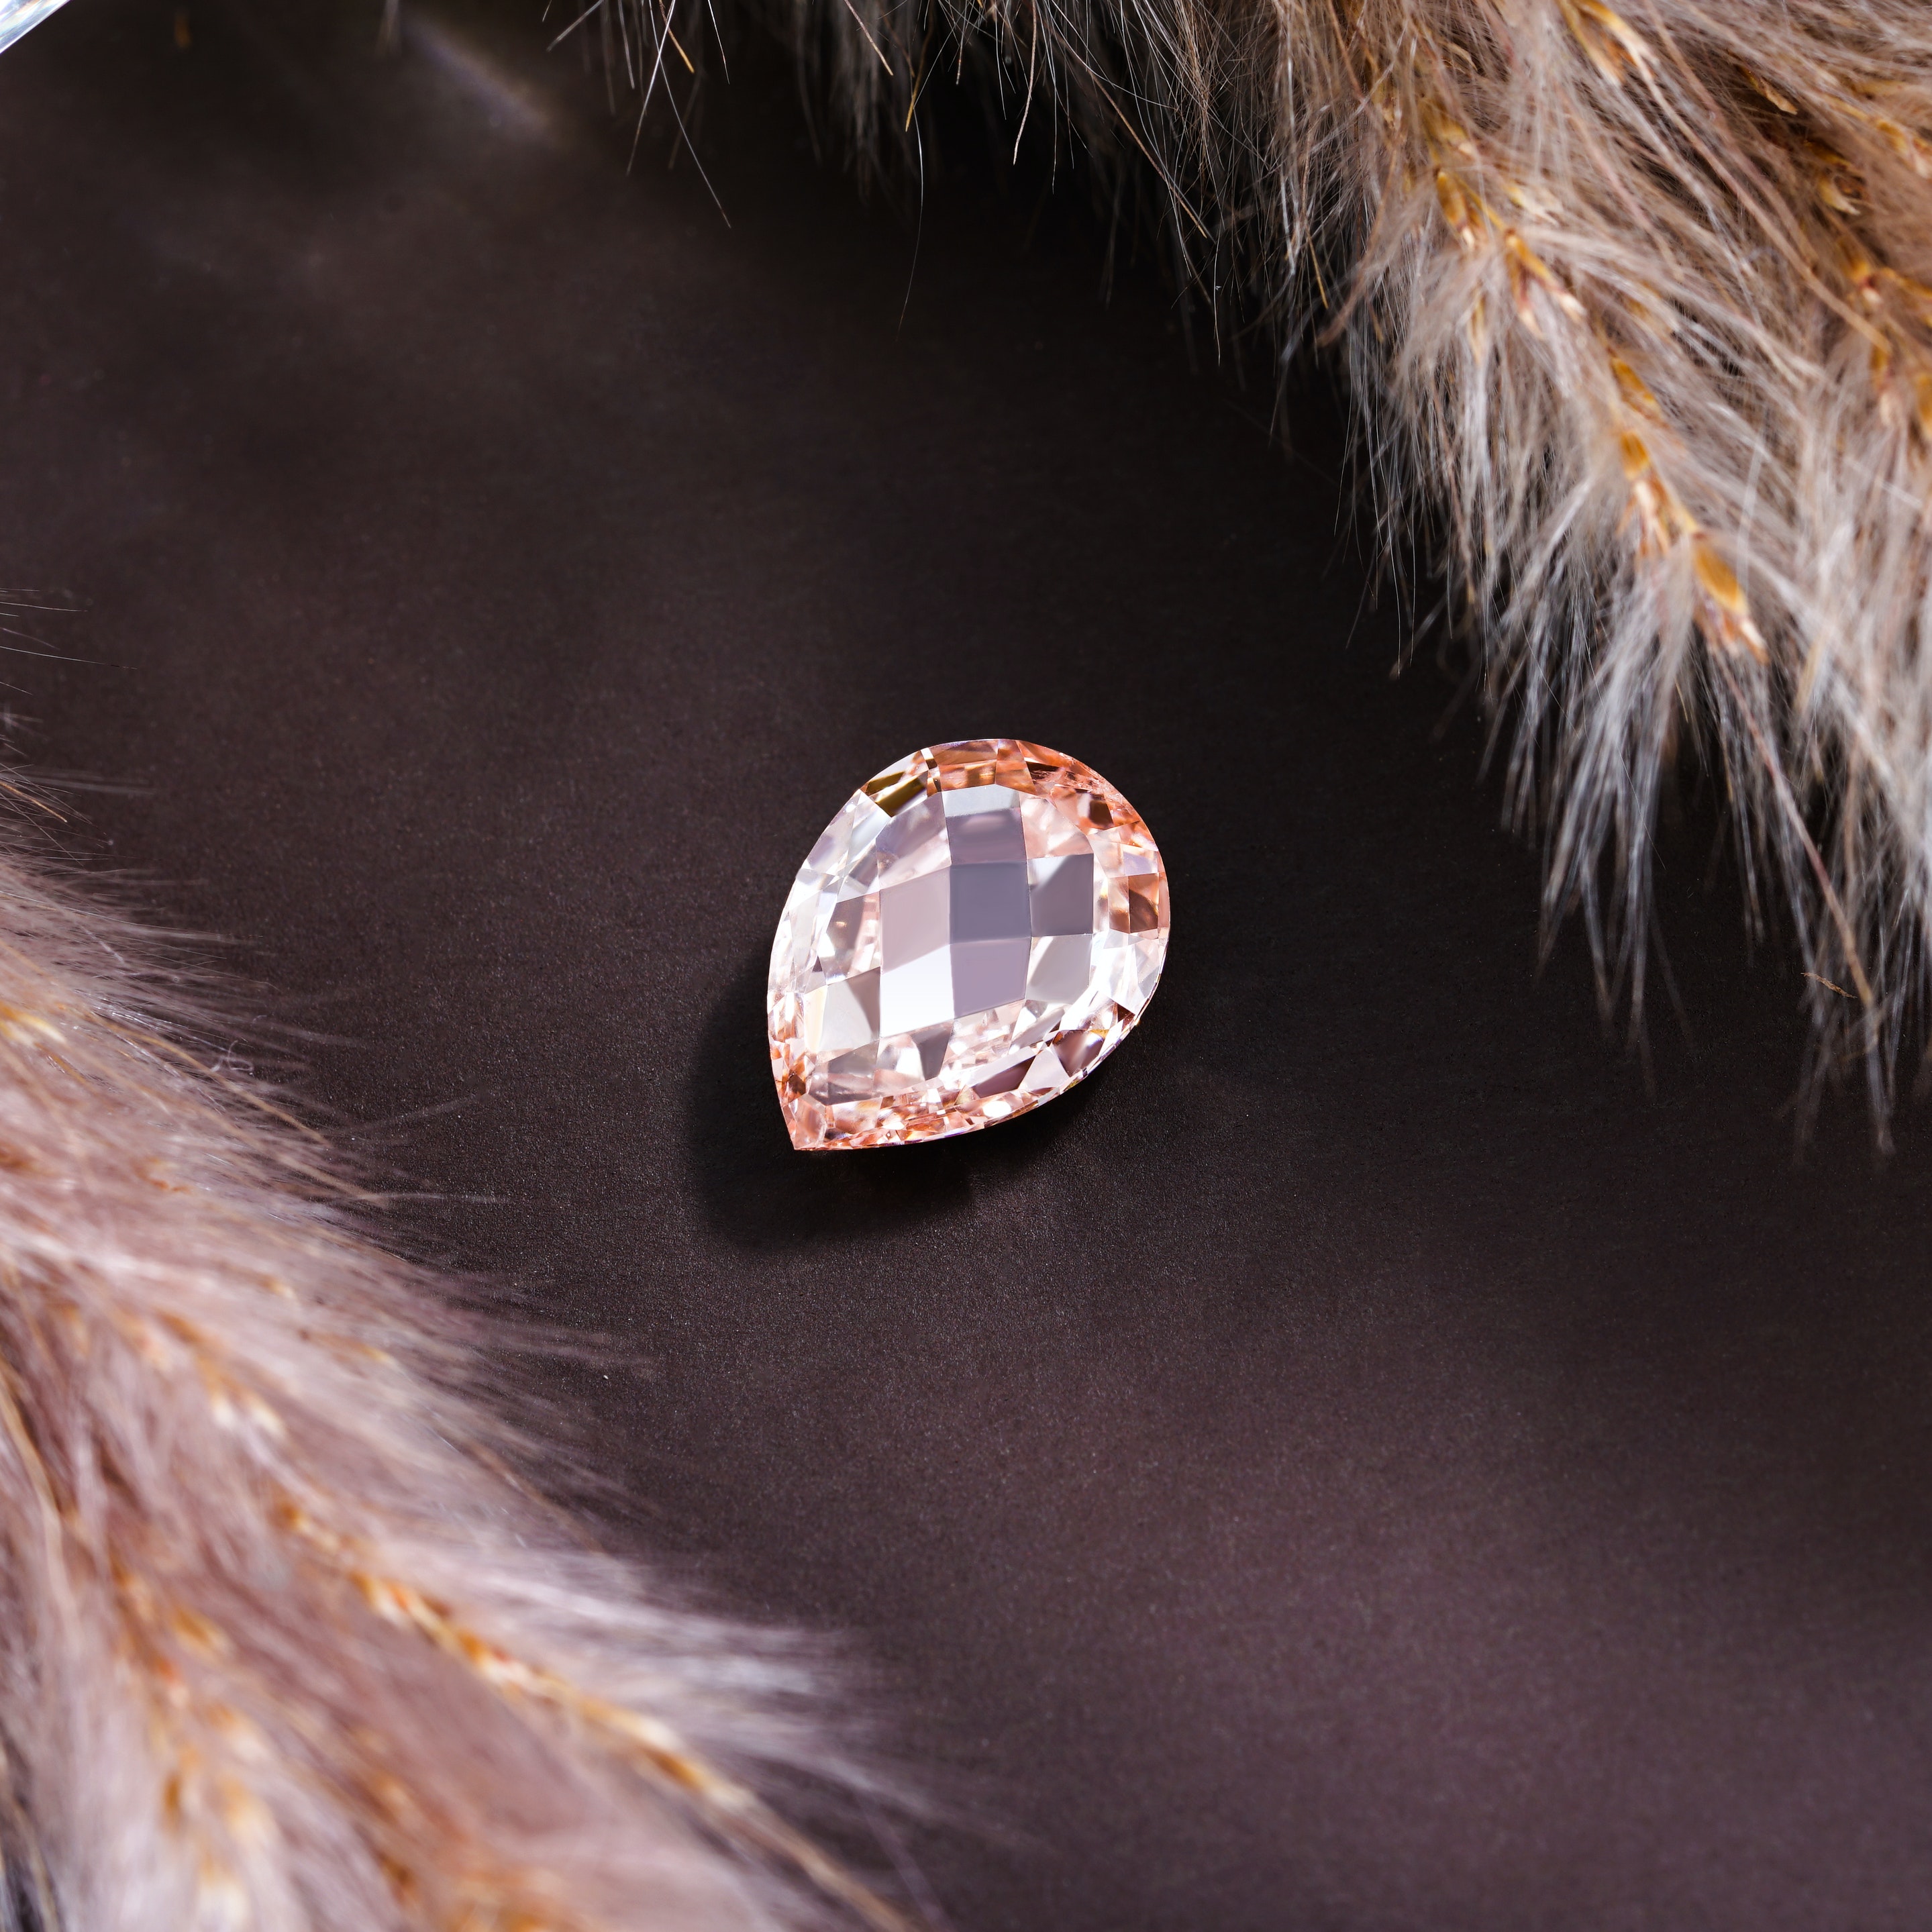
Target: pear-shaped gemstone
980, 926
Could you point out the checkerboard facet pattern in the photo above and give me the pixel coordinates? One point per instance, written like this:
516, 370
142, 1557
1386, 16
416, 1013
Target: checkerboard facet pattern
978, 928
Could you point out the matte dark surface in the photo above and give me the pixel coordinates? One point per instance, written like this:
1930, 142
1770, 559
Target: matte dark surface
1362, 1462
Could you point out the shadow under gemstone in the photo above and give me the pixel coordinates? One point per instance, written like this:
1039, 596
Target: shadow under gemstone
758, 1192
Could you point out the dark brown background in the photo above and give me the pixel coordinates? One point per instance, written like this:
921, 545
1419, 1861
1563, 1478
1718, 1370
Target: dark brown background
1363, 1461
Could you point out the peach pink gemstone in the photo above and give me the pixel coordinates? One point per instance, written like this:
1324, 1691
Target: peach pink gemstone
979, 928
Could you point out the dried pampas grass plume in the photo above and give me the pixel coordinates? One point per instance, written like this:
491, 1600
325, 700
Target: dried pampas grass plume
1637, 302
282, 1645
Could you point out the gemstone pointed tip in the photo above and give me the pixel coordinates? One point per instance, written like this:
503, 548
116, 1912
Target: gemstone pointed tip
981, 925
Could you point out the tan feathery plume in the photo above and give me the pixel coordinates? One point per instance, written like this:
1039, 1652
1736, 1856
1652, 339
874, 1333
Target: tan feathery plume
282, 1646
1637, 307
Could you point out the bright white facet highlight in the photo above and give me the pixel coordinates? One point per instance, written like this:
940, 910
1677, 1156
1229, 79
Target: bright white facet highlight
16, 17
981, 924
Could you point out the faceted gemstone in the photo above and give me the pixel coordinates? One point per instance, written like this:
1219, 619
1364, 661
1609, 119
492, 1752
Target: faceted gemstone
979, 928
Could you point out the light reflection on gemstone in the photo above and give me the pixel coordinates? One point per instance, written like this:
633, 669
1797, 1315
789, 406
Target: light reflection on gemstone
981, 924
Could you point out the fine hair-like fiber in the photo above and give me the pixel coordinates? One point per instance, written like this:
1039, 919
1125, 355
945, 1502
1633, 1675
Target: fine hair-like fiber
284, 1644
1636, 306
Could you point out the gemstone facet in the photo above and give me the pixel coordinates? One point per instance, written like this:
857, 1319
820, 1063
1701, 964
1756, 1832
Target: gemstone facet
981, 924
